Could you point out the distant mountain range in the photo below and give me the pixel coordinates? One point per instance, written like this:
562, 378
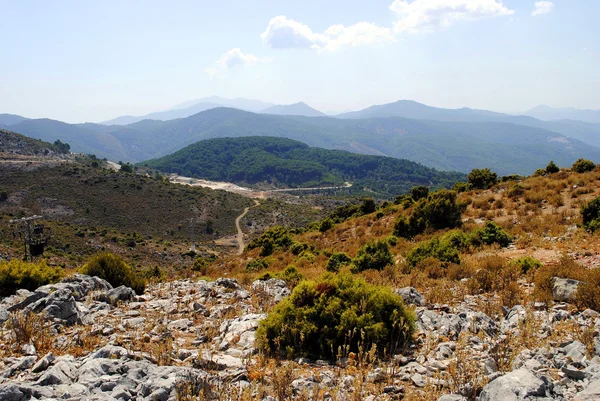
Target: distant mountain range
548, 113
446, 139
283, 162
196, 106
296, 109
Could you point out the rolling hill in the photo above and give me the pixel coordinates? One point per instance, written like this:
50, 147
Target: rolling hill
503, 145
11, 142
283, 162
580, 130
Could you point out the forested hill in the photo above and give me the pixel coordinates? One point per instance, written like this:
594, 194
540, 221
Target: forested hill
281, 162
11, 142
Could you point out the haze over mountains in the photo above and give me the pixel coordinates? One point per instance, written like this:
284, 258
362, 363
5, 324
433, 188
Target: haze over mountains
544, 112
446, 139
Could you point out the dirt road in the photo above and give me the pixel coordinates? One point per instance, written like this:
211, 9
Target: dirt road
240, 233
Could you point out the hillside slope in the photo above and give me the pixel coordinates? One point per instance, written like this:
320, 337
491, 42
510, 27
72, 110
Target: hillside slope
11, 142
287, 163
586, 132
458, 146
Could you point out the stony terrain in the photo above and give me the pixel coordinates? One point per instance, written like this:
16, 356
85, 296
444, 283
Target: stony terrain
195, 340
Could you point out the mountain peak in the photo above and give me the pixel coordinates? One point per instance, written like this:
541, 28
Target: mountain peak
296, 109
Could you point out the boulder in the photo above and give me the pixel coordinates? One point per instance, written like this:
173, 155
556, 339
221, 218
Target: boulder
517, 385
274, 288
591, 392
12, 392
43, 363
59, 305
411, 296
116, 295
564, 289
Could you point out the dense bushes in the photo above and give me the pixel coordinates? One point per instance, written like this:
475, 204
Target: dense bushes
490, 234
114, 270
439, 210
590, 213
439, 248
482, 178
374, 255
271, 240
17, 274
526, 264
446, 248
583, 166
337, 260
334, 316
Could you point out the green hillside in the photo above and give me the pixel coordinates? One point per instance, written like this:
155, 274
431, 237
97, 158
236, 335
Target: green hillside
286, 163
507, 147
11, 142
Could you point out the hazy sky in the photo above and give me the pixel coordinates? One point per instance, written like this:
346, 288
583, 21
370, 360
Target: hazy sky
94, 60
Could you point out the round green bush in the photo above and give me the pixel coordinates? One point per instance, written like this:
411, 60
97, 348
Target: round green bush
590, 213
374, 255
337, 260
113, 269
583, 166
482, 178
336, 315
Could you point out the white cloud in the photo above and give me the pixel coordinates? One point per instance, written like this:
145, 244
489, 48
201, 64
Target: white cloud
412, 17
363, 33
429, 15
230, 59
285, 33
542, 7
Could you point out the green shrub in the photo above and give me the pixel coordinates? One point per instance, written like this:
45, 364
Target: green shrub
490, 234
419, 192
337, 260
338, 314
368, 206
113, 269
325, 225
590, 213
526, 264
291, 276
552, 168
402, 227
583, 166
438, 248
516, 191
201, 265
511, 177
374, 255
439, 210
482, 178
461, 187
17, 274
298, 247
256, 265
271, 240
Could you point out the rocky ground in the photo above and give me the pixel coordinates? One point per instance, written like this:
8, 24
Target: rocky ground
188, 339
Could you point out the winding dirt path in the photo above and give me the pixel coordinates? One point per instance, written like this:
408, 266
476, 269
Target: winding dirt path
240, 234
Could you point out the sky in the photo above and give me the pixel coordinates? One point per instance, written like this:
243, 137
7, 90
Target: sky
80, 61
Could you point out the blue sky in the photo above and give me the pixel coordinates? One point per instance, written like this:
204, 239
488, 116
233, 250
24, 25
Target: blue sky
91, 61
